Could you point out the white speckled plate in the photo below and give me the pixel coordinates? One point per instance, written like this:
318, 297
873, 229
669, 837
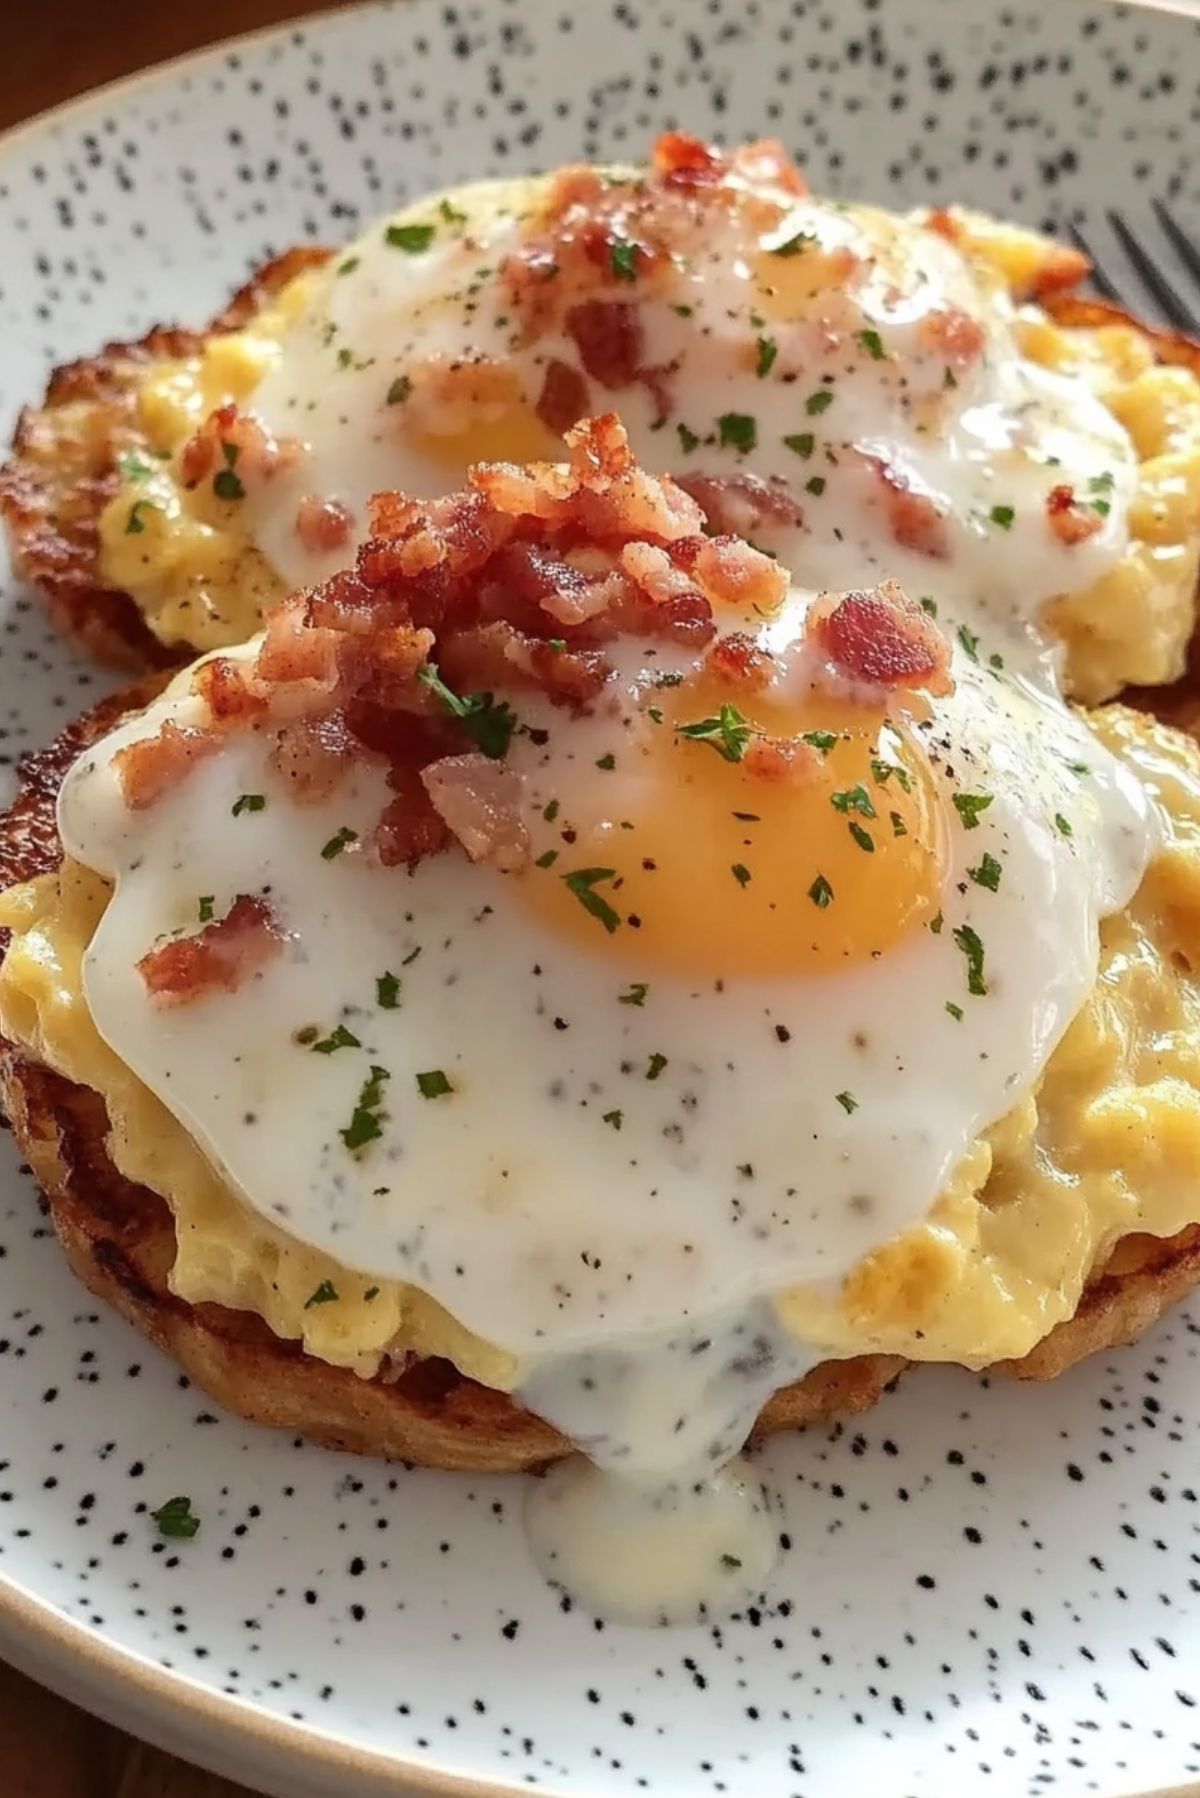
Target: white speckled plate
984, 1588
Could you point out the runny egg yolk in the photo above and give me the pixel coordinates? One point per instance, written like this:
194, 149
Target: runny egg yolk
669, 852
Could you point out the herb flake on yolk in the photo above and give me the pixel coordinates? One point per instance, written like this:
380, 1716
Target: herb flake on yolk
664, 876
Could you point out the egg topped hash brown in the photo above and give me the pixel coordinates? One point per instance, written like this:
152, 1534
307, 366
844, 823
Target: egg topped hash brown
1068, 1219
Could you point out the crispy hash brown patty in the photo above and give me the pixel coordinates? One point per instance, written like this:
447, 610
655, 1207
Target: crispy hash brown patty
63, 471
119, 1238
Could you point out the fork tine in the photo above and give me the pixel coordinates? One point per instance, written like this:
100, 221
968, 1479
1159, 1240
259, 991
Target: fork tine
1099, 279
1184, 248
1176, 311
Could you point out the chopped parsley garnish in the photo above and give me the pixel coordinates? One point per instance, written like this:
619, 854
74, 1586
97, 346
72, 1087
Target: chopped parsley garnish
348, 267
550, 810
411, 957
928, 605
819, 401
399, 390
802, 444
823, 740
815, 486
249, 802
730, 1561
636, 994
606, 762
135, 524
451, 214
345, 356
768, 349
884, 771
872, 342
557, 644
795, 245
853, 799
741, 873
488, 722
434, 1084
227, 484
176, 1519
546, 859
987, 874
132, 468
1063, 825
413, 238
1101, 507
372, 1292
655, 1065
738, 430
669, 680
1079, 767
615, 1118
624, 259
899, 827
364, 1125
956, 1011
387, 992
935, 924
863, 838
205, 908
969, 806
681, 310
338, 1038
1003, 516
583, 883
325, 1294
728, 733
969, 641
971, 944
688, 440
820, 892
848, 1102
337, 843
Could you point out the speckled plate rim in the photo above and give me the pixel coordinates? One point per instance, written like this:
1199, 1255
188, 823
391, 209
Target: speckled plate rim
227, 1735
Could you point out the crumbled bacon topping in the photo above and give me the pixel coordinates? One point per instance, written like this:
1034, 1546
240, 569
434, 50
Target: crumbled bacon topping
883, 639
517, 582
743, 503
738, 660
1071, 521
564, 398
954, 335
237, 450
608, 335
479, 800
219, 958
323, 525
914, 518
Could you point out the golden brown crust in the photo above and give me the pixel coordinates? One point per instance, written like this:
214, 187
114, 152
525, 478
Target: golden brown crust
62, 473
119, 1238
1081, 310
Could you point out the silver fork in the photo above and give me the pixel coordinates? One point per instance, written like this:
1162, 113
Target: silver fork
1154, 273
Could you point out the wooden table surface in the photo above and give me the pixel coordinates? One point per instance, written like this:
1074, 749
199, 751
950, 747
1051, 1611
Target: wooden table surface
61, 48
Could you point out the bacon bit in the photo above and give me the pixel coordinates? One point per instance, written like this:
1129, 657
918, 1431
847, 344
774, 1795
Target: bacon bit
223, 685
479, 800
232, 440
608, 335
883, 638
498, 655
780, 759
742, 503
564, 398
220, 958
153, 766
313, 756
954, 335
570, 591
323, 525
738, 660
410, 828
686, 161
1069, 520
913, 518
946, 224
733, 573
